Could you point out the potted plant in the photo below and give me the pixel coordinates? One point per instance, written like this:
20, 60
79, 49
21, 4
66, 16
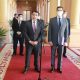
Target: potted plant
10, 22
11, 31
2, 35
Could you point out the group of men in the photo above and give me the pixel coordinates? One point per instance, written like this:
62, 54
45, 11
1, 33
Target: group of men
31, 32
17, 27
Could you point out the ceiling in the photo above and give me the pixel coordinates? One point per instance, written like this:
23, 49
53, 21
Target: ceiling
25, 0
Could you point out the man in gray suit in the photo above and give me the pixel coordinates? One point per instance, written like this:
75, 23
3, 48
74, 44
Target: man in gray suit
33, 33
57, 38
65, 15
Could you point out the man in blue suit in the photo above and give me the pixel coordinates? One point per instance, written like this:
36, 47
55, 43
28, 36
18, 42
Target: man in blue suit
68, 35
33, 37
57, 38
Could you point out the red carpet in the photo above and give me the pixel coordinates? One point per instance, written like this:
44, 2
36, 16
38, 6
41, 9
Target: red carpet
14, 72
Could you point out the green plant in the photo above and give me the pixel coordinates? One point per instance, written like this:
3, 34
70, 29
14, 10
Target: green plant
10, 22
2, 32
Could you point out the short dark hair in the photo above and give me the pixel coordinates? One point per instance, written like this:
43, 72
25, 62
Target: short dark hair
19, 14
15, 14
36, 12
59, 7
65, 11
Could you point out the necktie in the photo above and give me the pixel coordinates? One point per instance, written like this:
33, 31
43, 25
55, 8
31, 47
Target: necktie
34, 26
59, 22
19, 23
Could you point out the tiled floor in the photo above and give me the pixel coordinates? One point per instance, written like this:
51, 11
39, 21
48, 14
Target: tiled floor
74, 56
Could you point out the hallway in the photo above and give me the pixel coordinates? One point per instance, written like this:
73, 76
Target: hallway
11, 69
47, 10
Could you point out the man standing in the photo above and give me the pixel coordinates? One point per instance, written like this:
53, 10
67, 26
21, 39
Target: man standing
33, 34
68, 35
17, 27
56, 38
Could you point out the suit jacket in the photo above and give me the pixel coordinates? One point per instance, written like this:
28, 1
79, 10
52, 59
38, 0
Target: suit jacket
56, 33
30, 34
21, 28
16, 27
68, 26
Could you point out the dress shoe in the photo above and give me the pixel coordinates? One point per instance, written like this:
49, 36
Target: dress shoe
21, 54
25, 70
37, 69
52, 69
59, 70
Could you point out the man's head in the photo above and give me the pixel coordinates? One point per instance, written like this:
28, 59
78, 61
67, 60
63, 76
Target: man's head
34, 15
38, 17
65, 14
59, 11
20, 17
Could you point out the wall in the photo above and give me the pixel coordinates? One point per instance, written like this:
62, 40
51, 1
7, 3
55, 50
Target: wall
22, 6
67, 6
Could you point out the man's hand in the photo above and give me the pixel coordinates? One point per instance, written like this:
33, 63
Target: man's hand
31, 42
18, 32
65, 44
51, 44
35, 42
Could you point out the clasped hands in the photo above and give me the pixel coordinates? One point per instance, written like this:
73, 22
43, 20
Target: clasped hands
33, 42
18, 32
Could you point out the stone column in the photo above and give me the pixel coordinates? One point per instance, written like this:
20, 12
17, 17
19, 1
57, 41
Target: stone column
75, 13
3, 13
53, 6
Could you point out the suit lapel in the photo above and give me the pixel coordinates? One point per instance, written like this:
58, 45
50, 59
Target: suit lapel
37, 26
31, 27
62, 23
56, 22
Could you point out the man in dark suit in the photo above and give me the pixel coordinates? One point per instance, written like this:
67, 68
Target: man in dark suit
68, 24
17, 27
56, 38
33, 32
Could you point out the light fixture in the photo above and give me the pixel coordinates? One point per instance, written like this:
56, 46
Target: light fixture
26, 1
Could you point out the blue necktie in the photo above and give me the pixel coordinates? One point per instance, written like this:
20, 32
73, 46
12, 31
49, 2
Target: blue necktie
59, 22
